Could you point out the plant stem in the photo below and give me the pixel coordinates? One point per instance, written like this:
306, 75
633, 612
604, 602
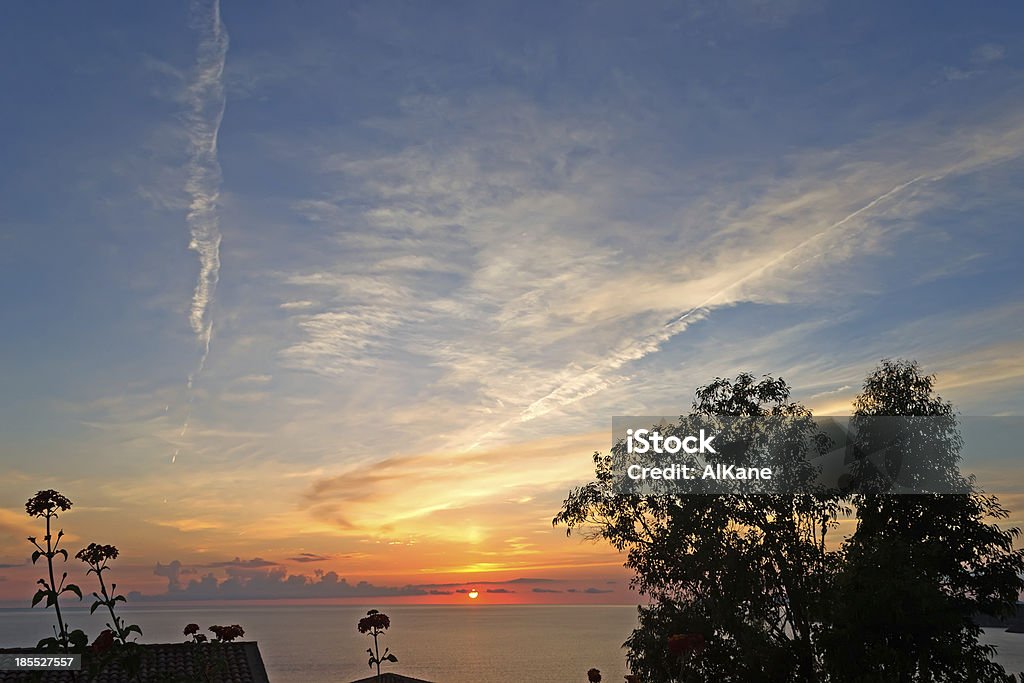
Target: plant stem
53, 586
376, 653
110, 607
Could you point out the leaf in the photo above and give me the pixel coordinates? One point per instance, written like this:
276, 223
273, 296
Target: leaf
40, 594
391, 658
120, 598
94, 606
47, 644
36, 555
132, 628
370, 663
62, 552
51, 599
78, 638
74, 589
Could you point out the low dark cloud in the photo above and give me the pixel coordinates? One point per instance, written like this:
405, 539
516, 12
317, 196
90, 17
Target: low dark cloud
488, 583
254, 563
172, 572
308, 557
12, 566
258, 578
248, 583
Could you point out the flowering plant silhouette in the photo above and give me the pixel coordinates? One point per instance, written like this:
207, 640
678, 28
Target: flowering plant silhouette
375, 624
47, 505
97, 556
192, 630
226, 634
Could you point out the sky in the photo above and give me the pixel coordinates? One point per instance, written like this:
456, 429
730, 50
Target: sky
336, 300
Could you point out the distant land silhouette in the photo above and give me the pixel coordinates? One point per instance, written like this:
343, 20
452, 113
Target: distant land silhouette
1012, 624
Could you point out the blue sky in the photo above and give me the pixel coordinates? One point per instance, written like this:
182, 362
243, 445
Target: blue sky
440, 236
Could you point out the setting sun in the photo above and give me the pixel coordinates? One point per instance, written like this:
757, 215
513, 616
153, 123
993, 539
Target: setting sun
473, 594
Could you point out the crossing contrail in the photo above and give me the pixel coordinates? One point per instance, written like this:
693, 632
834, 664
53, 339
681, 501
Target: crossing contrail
594, 379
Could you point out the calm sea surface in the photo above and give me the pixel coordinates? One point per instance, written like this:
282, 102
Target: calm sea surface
472, 644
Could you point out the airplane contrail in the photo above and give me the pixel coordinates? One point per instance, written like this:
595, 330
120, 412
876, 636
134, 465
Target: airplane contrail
206, 110
206, 101
592, 380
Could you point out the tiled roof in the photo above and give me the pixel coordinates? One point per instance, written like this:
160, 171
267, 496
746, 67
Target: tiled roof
167, 662
391, 678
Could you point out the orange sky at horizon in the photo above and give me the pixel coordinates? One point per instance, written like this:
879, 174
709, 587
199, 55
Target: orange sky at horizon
482, 517
467, 520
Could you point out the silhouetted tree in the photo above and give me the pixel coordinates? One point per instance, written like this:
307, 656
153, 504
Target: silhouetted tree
919, 567
745, 576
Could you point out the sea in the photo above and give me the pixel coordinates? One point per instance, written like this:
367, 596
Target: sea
443, 644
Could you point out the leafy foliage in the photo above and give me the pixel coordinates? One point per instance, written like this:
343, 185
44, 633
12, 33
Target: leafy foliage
745, 587
920, 567
746, 573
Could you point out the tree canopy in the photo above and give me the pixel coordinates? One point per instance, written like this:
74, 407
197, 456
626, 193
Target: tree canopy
747, 588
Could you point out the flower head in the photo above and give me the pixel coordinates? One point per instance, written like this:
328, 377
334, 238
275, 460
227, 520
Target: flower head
226, 634
374, 621
191, 629
594, 676
96, 554
46, 503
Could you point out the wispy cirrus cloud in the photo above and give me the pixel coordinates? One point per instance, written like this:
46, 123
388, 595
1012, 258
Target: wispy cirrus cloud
541, 289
